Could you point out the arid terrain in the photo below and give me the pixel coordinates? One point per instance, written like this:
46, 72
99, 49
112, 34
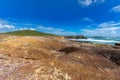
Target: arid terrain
55, 58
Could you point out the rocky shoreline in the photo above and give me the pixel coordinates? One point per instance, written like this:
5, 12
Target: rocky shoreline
75, 37
55, 58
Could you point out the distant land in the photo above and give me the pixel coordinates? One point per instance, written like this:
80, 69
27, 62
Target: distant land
37, 33
28, 33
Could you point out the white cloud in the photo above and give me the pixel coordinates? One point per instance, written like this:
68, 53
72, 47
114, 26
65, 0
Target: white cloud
86, 3
109, 24
63, 33
49, 28
115, 9
52, 30
87, 19
106, 29
31, 29
23, 28
6, 26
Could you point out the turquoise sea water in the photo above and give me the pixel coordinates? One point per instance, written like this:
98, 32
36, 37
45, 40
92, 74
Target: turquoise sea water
109, 41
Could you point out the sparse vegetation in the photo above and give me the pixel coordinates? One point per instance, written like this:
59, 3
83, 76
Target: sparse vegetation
28, 33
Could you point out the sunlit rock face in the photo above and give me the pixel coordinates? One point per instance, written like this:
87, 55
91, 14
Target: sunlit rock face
53, 58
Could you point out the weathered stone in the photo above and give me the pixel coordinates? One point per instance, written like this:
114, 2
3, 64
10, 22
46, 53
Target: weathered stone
43, 58
76, 37
117, 44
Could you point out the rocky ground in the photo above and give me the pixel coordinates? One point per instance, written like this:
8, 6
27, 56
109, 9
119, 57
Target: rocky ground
53, 58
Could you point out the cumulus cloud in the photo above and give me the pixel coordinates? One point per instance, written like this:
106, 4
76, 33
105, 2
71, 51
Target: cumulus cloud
86, 3
5, 26
106, 29
115, 9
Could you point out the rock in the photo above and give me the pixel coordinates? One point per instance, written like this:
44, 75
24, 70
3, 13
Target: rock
113, 55
43, 58
76, 37
117, 44
83, 42
116, 47
69, 49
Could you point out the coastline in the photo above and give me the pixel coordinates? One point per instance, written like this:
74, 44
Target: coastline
97, 41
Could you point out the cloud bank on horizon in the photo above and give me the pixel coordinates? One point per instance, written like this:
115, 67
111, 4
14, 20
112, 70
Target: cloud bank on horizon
62, 17
6, 26
106, 29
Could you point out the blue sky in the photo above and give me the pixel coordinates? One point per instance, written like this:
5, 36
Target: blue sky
63, 17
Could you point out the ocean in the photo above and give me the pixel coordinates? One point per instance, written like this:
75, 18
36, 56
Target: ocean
108, 41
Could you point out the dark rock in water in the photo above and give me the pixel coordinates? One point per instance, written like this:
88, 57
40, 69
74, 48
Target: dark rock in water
76, 37
117, 44
84, 42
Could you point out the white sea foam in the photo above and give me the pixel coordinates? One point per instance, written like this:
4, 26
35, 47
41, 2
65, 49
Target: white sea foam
101, 41
96, 40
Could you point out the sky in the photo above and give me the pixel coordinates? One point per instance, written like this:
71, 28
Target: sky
62, 17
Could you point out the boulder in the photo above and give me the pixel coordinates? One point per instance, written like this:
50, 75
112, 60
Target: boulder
76, 37
117, 44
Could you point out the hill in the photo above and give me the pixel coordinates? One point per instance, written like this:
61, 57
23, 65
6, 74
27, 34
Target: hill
28, 33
